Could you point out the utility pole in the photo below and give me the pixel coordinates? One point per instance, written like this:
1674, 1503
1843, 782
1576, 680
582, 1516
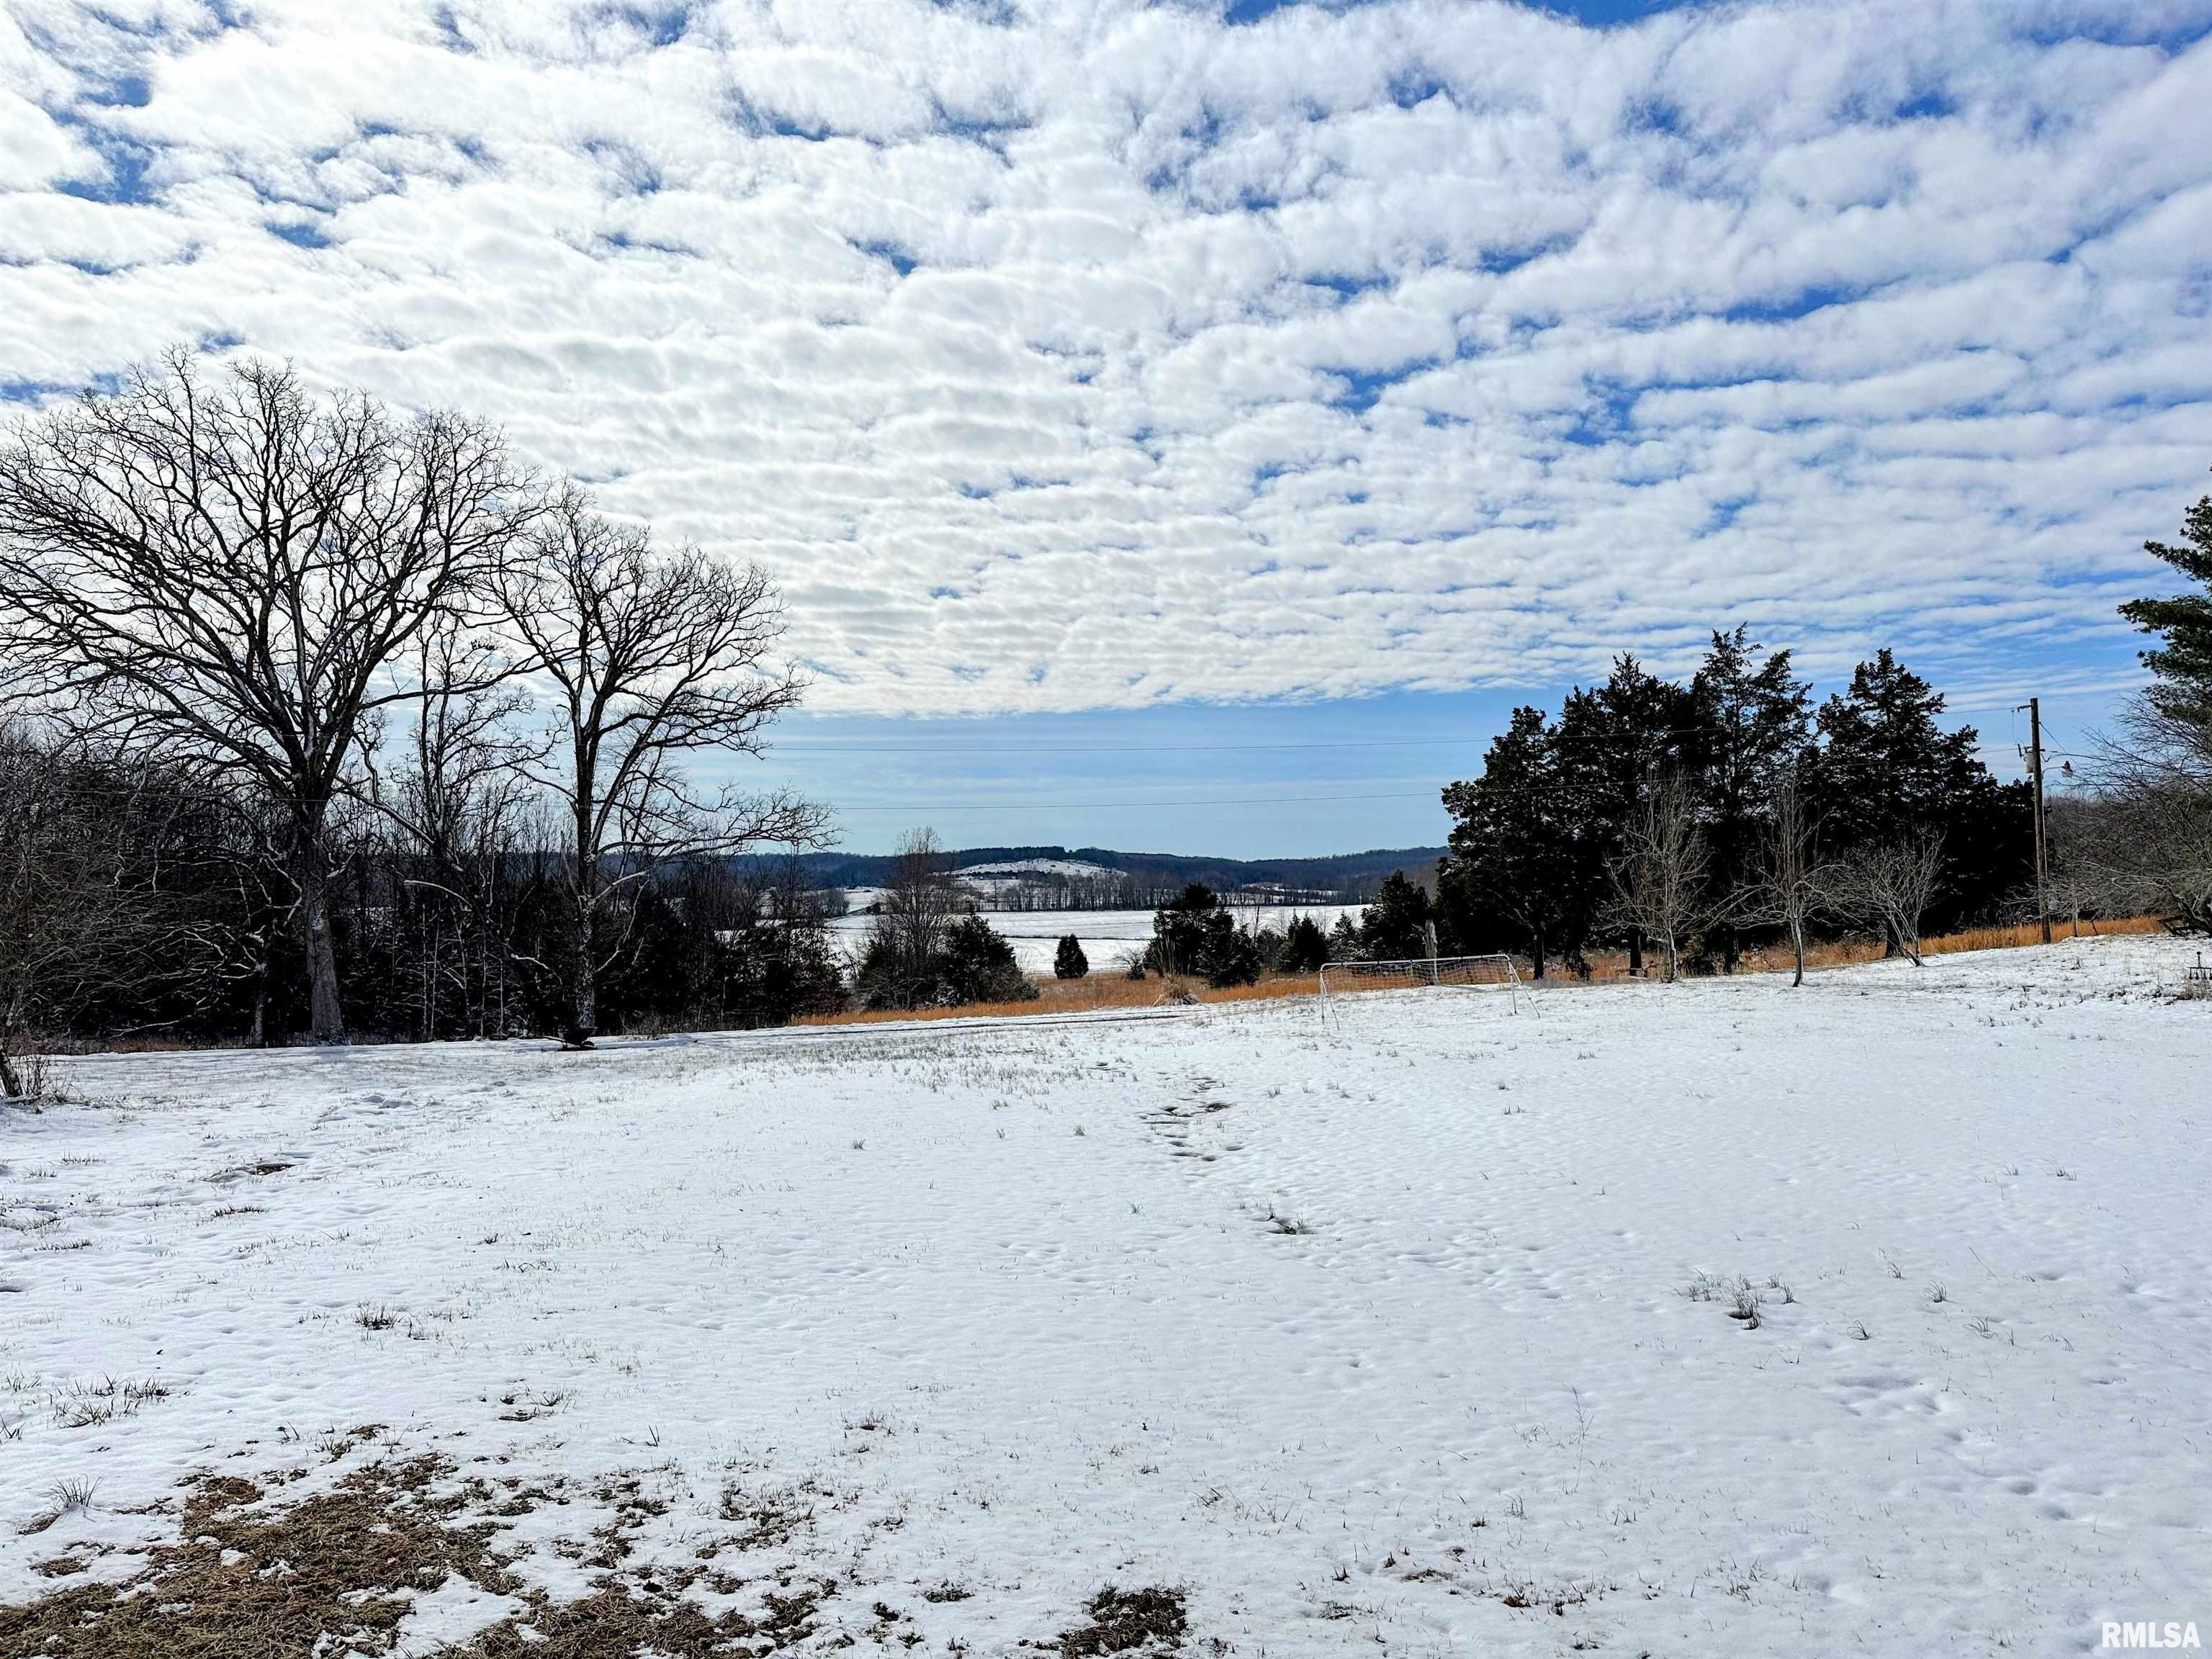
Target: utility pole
2035, 707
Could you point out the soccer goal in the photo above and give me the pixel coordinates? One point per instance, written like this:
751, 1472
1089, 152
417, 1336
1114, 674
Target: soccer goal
1421, 973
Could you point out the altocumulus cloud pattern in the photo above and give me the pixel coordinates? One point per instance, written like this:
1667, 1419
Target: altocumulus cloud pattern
1072, 355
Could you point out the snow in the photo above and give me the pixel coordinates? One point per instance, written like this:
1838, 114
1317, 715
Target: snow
449, 1615
1065, 869
1107, 936
1374, 1341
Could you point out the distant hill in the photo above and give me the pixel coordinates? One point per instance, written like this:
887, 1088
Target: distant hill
1346, 878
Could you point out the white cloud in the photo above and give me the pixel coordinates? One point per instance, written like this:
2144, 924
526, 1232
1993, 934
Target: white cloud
1060, 355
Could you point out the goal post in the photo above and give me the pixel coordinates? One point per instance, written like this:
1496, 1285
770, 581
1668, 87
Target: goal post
1421, 973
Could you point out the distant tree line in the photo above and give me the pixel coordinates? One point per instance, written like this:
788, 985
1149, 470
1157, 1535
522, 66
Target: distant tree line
1129, 881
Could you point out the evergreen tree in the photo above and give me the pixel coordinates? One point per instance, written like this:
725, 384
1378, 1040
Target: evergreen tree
1305, 947
979, 966
1512, 867
1887, 768
1888, 773
1069, 962
1396, 926
972, 963
2182, 693
1751, 727
1196, 935
1234, 958
1611, 742
1344, 941
1180, 930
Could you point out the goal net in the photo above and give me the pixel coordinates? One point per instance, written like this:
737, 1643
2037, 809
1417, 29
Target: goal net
1338, 979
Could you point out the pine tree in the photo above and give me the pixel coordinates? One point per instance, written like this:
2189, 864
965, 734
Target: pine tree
1889, 773
979, 965
1612, 741
1069, 962
1196, 935
2183, 691
1396, 926
1887, 767
1179, 930
1305, 947
1513, 856
1751, 728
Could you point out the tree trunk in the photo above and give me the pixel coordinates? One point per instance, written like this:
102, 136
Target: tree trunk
1797, 946
260, 1037
583, 987
584, 973
11, 1084
325, 1014
1636, 953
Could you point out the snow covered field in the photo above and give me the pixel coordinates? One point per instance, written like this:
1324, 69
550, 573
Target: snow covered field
1412, 1340
1106, 935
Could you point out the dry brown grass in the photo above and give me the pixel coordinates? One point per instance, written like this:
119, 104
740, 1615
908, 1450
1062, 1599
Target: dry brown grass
2014, 937
216, 1595
1846, 953
1122, 1621
255, 1576
1096, 992
339, 1572
1100, 992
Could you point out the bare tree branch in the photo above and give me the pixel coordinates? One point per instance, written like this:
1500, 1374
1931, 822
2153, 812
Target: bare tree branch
220, 572
1788, 881
1889, 885
647, 660
1659, 881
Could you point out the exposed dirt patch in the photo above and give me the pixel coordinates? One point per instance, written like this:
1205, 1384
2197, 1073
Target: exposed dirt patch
254, 1577
258, 1573
247, 1585
614, 1622
264, 1167
771, 1518
1124, 1621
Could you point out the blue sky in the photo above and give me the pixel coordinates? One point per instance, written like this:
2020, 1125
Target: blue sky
1158, 417
1251, 780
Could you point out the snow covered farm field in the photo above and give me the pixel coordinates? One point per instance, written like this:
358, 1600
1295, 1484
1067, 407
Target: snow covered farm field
1415, 1338
1107, 936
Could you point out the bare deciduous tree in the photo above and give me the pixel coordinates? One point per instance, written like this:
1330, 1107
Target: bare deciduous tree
1889, 885
220, 570
649, 659
1789, 881
2140, 848
2141, 840
73, 911
455, 790
1659, 880
920, 901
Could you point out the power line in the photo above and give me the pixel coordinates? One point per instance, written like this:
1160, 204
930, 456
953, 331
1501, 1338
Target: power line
1104, 805
833, 748
1040, 805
